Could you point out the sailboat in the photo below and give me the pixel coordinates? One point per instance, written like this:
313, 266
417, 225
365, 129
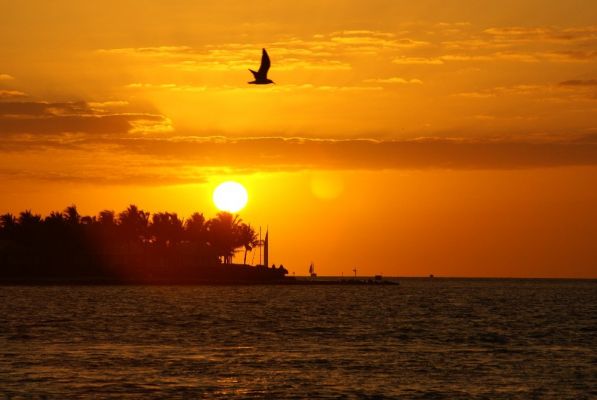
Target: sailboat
312, 270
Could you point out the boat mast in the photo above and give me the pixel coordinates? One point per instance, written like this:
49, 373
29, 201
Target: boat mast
266, 249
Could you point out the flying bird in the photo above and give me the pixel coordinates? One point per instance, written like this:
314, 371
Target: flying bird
261, 75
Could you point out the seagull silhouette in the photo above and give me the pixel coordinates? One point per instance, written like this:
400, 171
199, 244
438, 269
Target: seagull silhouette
261, 75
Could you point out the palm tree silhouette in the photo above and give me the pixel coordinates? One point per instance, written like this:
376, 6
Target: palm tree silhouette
196, 229
7, 221
72, 215
55, 218
223, 235
8, 225
167, 229
248, 239
29, 227
56, 227
133, 223
28, 219
66, 244
107, 217
106, 232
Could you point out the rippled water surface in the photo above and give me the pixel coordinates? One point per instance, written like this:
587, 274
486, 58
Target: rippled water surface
428, 339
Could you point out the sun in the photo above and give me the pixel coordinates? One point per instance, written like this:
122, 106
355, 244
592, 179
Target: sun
230, 196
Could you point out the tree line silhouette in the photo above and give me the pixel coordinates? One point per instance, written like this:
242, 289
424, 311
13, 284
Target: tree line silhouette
131, 246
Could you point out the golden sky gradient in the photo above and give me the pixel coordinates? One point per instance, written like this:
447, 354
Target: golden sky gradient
403, 138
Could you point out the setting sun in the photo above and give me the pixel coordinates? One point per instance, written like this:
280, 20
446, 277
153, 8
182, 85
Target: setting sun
230, 196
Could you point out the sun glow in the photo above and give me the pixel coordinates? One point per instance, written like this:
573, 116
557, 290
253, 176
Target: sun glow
230, 196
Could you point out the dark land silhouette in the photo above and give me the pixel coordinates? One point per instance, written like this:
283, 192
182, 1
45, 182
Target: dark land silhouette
130, 247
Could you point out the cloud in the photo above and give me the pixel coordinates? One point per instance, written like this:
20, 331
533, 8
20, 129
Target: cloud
49, 118
287, 54
109, 176
379, 40
362, 32
570, 56
8, 94
271, 89
41, 108
572, 90
167, 86
6, 77
518, 32
579, 82
477, 95
396, 80
551, 34
449, 28
520, 44
442, 44
300, 153
466, 57
472, 44
523, 57
162, 51
330, 51
102, 105
113, 160
418, 60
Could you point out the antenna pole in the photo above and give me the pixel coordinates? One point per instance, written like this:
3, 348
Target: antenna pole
266, 249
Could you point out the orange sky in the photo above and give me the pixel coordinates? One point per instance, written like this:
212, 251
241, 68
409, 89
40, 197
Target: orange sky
403, 138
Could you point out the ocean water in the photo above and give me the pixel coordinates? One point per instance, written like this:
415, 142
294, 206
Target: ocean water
424, 339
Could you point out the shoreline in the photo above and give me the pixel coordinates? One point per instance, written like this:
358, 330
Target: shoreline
286, 281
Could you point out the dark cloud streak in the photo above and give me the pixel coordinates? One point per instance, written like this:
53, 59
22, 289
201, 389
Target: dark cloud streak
102, 160
45, 118
280, 153
580, 82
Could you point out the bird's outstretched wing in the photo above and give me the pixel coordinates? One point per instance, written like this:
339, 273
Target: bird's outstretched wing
265, 63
